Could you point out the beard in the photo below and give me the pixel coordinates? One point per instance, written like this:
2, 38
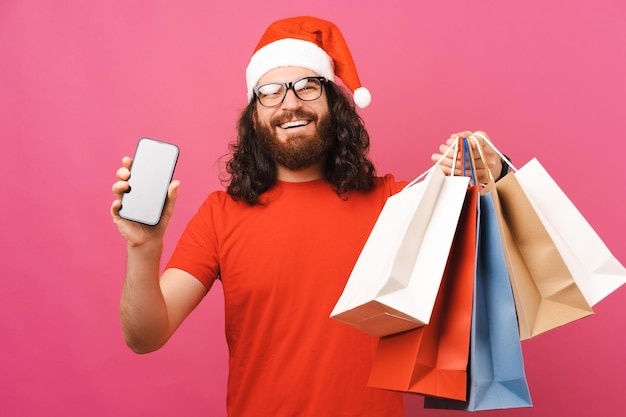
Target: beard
297, 152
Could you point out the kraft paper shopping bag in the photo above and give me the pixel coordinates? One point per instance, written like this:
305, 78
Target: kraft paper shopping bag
394, 283
594, 268
433, 359
496, 372
546, 295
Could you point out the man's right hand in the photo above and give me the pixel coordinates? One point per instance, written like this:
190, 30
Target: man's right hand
137, 234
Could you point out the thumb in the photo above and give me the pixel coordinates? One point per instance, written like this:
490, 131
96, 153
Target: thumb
172, 195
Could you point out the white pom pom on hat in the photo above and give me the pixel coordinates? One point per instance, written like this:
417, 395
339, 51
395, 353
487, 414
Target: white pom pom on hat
307, 42
362, 97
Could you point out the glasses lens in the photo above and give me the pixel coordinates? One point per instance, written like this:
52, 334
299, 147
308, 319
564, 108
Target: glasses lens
271, 94
308, 89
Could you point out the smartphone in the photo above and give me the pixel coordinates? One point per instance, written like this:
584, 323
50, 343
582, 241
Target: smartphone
150, 176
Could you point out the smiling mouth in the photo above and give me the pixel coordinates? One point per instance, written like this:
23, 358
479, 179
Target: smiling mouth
292, 124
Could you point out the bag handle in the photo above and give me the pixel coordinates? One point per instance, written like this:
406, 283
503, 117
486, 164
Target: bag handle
467, 152
481, 153
500, 154
468, 155
429, 170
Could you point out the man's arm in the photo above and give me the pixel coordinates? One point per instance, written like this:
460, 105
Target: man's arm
152, 307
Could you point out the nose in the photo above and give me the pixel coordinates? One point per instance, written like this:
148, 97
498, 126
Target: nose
291, 100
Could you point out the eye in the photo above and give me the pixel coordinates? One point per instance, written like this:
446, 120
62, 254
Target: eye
302, 84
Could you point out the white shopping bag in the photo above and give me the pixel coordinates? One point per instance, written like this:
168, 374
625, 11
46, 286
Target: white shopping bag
395, 280
594, 268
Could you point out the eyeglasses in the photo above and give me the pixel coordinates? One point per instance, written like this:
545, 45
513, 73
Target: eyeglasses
306, 89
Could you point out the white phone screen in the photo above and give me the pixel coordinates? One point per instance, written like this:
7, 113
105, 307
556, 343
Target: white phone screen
150, 175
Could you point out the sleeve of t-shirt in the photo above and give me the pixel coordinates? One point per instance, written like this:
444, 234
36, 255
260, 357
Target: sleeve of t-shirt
197, 249
392, 186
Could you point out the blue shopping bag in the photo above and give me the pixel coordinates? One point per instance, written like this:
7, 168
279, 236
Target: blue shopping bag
496, 376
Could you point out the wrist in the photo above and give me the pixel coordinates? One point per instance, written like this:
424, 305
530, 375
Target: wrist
505, 168
147, 247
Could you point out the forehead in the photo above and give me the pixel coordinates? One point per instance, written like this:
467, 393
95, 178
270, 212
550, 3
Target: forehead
286, 74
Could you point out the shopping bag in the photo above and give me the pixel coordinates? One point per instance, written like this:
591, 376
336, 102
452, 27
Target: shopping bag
592, 265
394, 283
545, 291
546, 295
594, 268
496, 372
432, 359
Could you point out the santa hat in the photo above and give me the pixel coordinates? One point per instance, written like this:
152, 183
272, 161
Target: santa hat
310, 43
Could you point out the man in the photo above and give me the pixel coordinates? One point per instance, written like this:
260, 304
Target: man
283, 237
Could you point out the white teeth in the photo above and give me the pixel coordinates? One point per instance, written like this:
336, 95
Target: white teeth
295, 123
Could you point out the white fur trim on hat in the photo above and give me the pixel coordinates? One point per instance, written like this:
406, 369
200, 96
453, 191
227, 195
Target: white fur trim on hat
288, 52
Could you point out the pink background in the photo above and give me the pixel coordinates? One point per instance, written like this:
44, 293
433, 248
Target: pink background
81, 82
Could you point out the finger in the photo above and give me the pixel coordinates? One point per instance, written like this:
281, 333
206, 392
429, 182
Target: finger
172, 191
123, 174
119, 188
172, 196
445, 150
482, 135
127, 161
443, 161
115, 210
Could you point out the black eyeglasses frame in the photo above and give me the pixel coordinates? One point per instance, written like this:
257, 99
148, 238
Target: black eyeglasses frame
290, 86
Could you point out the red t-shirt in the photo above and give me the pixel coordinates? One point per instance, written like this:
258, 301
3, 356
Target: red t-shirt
283, 266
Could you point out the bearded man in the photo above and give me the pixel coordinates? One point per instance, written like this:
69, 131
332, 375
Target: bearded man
300, 202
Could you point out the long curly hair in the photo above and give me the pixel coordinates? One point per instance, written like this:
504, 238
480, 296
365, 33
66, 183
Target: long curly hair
252, 171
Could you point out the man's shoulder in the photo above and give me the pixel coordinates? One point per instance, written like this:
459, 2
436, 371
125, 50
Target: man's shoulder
389, 184
218, 200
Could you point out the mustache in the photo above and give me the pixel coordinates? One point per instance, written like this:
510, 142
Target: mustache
290, 115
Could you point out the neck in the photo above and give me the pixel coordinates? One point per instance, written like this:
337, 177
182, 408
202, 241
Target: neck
303, 175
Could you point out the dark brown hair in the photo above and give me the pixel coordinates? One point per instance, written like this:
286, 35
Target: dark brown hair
252, 171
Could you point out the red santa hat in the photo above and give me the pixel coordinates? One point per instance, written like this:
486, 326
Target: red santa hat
310, 43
